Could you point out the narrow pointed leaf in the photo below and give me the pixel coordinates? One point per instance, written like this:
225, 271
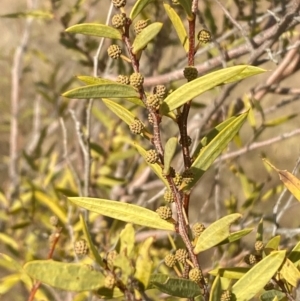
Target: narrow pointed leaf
123, 114
260, 231
291, 182
98, 30
102, 90
125, 212
147, 34
187, 6
209, 153
170, 149
155, 167
290, 273
138, 7
9, 263
216, 290
258, 276
67, 276
294, 256
175, 286
178, 26
212, 134
237, 235
126, 240
144, 263
91, 80
37, 14
93, 251
120, 111
273, 243
200, 85
230, 273
215, 233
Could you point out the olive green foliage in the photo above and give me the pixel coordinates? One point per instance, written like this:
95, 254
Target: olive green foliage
83, 211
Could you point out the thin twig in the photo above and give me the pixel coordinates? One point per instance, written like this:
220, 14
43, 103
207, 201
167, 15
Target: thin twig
66, 156
259, 40
257, 145
56, 236
276, 207
236, 24
96, 57
15, 93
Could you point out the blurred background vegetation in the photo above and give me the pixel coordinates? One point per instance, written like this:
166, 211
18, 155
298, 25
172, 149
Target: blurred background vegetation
41, 158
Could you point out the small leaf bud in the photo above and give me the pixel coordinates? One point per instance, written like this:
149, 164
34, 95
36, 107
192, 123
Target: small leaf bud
164, 212
118, 20
168, 196
227, 296
119, 3
190, 73
139, 26
81, 247
204, 36
181, 255
197, 229
259, 246
151, 156
136, 127
170, 260
195, 275
136, 80
114, 51
123, 79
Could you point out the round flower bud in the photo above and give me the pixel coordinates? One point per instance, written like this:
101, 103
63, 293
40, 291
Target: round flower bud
136, 127
164, 212
160, 91
259, 246
204, 36
118, 20
139, 26
171, 173
81, 247
175, 2
118, 3
54, 220
114, 51
188, 176
170, 260
151, 156
136, 80
181, 255
178, 179
195, 275
153, 101
123, 79
190, 73
251, 259
168, 196
227, 296
197, 229
110, 258
109, 281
